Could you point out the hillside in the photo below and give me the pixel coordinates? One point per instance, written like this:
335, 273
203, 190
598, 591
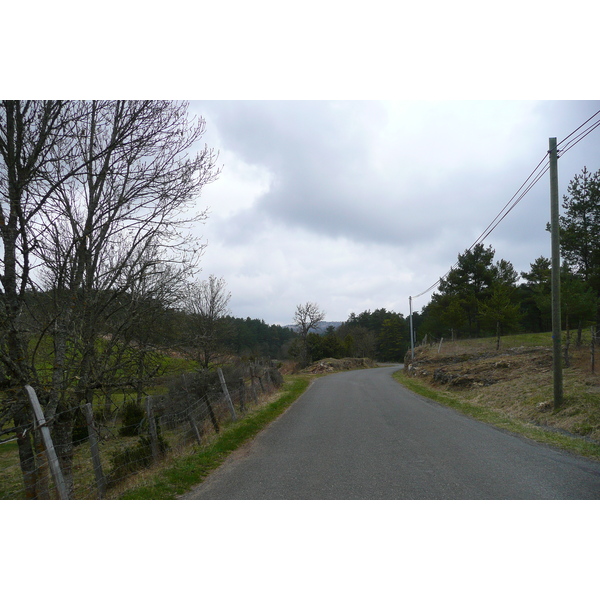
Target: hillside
514, 382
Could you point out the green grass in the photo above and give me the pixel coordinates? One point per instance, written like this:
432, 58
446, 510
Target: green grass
188, 471
522, 339
8, 447
487, 415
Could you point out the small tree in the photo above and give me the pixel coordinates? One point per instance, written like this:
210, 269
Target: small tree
206, 304
500, 311
307, 317
94, 195
578, 305
332, 344
535, 295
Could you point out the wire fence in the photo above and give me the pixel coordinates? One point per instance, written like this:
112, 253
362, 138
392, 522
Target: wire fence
105, 453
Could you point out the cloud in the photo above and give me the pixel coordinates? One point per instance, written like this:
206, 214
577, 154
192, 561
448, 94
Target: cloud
357, 205
364, 170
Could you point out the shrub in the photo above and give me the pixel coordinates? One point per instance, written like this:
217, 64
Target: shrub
133, 417
134, 458
80, 432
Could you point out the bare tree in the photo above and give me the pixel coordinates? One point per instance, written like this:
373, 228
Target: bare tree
206, 304
111, 212
307, 317
33, 134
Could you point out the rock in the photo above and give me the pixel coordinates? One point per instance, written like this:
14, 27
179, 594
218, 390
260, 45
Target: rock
440, 376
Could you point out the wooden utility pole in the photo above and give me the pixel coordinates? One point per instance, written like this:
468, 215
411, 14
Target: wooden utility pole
556, 320
412, 336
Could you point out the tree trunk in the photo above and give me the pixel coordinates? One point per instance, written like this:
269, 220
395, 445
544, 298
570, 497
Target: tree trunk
107, 404
62, 436
567, 343
211, 413
497, 335
27, 460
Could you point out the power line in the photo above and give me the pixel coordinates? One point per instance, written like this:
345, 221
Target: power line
584, 123
499, 217
508, 207
582, 135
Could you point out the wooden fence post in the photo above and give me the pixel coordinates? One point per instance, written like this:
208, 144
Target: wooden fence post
592, 348
211, 413
57, 475
195, 429
259, 377
267, 373
227, 396
93, 436
152, 429
242, 395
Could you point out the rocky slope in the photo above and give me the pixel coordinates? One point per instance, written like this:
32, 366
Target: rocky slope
515, 381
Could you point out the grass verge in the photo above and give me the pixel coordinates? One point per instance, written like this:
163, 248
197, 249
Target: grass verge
485, 414
185, 472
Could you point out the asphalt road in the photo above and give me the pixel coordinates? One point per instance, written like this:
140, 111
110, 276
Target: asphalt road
361, 435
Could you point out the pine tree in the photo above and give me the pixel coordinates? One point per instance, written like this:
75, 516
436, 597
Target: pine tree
580, 228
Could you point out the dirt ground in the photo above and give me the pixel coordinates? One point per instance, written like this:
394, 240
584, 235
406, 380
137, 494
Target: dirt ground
517, 382
331, 365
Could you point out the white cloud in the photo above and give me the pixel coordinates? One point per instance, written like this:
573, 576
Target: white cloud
357, 205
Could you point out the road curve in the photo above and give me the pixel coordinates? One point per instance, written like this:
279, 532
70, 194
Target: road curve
361, 435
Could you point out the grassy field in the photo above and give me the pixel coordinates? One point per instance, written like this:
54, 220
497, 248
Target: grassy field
186, 463
512, 388
11, 479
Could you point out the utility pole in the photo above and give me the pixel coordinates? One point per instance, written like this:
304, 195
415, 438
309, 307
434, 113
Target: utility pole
412, 336
556, 320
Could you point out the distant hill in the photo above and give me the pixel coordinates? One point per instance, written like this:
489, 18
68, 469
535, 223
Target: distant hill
321, 327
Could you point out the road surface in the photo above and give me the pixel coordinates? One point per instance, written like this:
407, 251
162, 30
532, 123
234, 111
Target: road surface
361, 435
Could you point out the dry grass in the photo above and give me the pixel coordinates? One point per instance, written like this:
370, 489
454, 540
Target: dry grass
516, 381
147, 477
11, 479
334, 365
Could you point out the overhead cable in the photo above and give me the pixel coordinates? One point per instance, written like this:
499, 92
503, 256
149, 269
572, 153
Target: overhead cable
508, 207
574, 131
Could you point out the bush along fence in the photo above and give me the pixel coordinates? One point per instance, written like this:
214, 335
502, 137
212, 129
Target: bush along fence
103, 453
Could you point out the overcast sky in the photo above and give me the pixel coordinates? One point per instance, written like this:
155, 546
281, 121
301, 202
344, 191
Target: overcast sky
358, 205
352, 204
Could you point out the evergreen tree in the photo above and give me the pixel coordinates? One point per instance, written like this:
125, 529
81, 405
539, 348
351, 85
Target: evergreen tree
332, 344
580, 229
500, 310
456, 307
535, 296
470, 282
578, 302
391, 341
